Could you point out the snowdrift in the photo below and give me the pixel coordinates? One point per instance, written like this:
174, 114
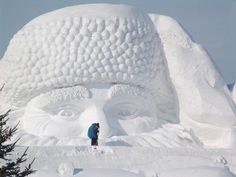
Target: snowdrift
197, 172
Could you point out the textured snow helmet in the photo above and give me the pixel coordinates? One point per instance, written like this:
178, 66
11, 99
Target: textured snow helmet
85, 44
74, 45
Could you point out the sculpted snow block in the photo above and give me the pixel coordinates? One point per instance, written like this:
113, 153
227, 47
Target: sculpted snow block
106, 63
80, 44
116, 53
204, 100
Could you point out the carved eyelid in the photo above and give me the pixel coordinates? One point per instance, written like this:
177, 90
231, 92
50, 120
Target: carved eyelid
58, 95
123, 106
53, 109
118, 90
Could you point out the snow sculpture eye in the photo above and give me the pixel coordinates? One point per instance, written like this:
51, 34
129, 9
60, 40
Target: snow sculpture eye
126, 110
125, 113
58, 120
66, 112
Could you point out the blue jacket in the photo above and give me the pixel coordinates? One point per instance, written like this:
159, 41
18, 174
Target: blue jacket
93, 131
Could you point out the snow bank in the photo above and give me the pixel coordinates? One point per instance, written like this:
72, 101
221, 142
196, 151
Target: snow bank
198, 172
106, 173
89, 173
204, 100
132, 161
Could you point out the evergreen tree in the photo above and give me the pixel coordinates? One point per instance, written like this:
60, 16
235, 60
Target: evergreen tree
9, 167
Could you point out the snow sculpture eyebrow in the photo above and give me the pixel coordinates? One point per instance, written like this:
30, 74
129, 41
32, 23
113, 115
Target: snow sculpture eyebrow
121, 90
65, 94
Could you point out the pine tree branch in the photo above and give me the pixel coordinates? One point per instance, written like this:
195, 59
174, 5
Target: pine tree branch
11, 167
5, 150
5, 115
28, 170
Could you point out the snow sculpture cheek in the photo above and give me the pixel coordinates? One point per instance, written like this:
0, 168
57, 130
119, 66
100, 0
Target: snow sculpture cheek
56, 113
41, 123
133, 108
53, 54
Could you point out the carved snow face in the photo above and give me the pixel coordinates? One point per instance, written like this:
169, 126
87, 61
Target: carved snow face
50, 63
68, 112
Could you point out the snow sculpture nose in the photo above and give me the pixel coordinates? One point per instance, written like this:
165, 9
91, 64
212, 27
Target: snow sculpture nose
104, 122
96, 114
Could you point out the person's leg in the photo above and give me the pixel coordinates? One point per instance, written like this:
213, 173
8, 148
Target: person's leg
94, 142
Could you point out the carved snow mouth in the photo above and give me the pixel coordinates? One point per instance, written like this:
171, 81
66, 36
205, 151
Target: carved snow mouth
68, 112
130, 123
169, 135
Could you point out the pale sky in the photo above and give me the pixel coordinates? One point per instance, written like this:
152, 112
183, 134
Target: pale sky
211, 23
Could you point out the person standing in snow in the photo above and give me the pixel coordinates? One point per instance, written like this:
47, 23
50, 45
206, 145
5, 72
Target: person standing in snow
93, 133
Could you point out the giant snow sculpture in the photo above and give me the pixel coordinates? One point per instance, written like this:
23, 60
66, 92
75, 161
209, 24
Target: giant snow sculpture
83, 64
205, 103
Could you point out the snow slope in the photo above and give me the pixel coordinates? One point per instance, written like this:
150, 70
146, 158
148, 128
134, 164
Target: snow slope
231, 86
92, 172
234, 93
204, 100
196, 172
132, 161
232, 89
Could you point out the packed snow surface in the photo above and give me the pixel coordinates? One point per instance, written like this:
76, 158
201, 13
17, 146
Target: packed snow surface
132, 161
